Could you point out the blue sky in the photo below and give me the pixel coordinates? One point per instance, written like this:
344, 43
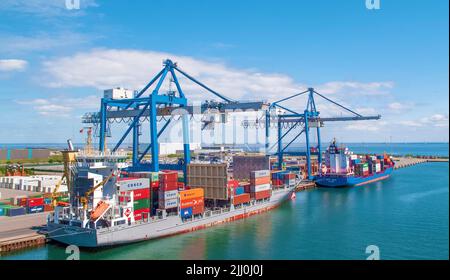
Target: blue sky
55, 62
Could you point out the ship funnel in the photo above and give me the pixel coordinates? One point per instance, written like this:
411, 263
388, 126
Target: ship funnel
70, 144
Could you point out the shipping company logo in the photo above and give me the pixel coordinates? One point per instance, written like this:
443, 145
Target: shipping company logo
374, 252
74, 253
127, 212
373, 4
72, 4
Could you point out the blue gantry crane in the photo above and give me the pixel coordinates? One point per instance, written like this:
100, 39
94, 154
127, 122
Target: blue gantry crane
142, 106
306, 120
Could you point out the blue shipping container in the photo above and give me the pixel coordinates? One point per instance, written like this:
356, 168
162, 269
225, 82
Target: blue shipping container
238, 190
47, 201
16, 211
2, 211
36, 209
186, 212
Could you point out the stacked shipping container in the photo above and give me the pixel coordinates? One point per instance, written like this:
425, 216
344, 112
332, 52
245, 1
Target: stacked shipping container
260, 184
139, 189
192, 202
168, 190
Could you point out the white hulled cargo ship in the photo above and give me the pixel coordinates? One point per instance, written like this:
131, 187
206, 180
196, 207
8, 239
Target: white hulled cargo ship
109, 206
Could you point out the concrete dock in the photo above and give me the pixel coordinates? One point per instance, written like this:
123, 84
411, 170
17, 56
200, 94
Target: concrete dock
21, 232
401, 162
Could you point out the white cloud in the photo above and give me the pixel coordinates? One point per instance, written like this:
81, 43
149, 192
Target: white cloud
42, 41
46, 8
436, 120
106, 68
61, 106
372, 88
399, 107
13, 65
366, 125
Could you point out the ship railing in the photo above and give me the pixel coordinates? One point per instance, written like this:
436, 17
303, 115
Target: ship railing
226, 210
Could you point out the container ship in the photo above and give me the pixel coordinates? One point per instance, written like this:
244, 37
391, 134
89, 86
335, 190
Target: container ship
111, 206
343, 168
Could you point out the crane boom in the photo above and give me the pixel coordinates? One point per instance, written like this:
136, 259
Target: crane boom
85, 198
55, 190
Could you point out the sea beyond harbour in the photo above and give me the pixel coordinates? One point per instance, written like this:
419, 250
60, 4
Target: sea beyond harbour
440, 149
405, 216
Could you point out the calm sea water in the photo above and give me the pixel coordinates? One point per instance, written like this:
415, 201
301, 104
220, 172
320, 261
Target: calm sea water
406, 216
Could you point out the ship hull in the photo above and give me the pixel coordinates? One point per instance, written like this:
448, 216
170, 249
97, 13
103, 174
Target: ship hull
351, 181
171, 225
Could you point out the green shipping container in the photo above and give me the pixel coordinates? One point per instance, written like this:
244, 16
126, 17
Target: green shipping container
4, 210
154, 177
62, 199
141, 203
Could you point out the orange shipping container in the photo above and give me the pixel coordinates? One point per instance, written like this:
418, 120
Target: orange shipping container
48, 208
262, 194
191, 193
191, 202
260, 180
198, 209
243, 198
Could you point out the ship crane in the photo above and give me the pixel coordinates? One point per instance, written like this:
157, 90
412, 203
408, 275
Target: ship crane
309, 118
85, 199
154, 107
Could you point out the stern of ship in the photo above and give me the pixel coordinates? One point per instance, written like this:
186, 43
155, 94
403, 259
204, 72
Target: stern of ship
72, 235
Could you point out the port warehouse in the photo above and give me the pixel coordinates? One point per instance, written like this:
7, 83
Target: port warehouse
37, 183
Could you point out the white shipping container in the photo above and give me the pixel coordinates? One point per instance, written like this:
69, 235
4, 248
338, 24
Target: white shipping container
260, 188
259, 173
168, 203
169, 194
378, 167
291, 182
133, 184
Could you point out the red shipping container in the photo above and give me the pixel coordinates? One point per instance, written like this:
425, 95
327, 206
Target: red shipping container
247, 187
22, 202
141, 194
48, 208
171, 186
277, 182
180, 185
262, 194
260, 180
192, 202
155, 184
242, 198
141, 213
198, 209
233, 183
31, 202
168, 177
